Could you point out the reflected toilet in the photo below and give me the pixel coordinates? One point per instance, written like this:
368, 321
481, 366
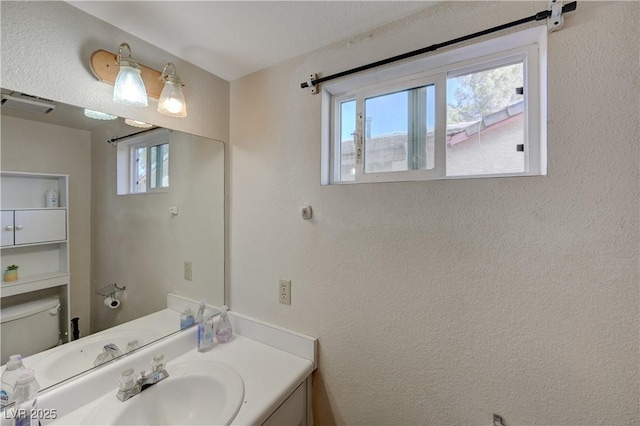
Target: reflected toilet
30, 327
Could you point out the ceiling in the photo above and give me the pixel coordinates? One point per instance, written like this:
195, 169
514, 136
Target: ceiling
234, 38
64, 115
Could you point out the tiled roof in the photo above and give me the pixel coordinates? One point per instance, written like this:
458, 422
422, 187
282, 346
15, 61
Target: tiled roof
493, 119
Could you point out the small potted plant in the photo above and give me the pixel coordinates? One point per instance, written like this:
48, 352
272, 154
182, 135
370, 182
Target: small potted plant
11, 274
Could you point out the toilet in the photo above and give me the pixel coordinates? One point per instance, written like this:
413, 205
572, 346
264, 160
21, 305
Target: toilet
30, 327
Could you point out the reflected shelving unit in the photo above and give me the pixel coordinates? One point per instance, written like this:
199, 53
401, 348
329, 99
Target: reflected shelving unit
35, 238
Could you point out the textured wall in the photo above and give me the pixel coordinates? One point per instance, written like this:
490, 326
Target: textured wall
46, 47
28, 146
443, 302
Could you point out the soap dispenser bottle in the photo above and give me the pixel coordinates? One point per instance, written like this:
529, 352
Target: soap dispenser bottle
9, 378
186, 318
200, 314
205, 332
25, 394
224, 332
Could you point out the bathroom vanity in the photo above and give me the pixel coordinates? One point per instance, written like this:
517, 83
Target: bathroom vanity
263, 376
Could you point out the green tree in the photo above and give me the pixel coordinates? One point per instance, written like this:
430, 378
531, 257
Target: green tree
484, 92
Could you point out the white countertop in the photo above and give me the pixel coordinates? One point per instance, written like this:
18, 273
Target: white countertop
270, 375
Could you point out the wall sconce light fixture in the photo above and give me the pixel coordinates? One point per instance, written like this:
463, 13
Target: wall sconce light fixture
172, 99
129, 88
108, 68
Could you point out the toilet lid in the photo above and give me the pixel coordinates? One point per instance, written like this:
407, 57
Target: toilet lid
26, 309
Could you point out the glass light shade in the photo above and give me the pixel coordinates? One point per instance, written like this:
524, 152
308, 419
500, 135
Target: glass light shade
129, 88
97, 115
172, 101
137, 123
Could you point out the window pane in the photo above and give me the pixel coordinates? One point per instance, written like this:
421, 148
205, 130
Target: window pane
347, 145
153, 156
485, 122
399, 131
164, 152
159, 158
140, 171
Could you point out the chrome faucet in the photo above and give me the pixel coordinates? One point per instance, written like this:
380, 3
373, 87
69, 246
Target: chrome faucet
149, 379
130, 386
108, 353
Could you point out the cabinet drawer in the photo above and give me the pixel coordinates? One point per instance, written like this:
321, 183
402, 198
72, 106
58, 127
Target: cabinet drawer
36, 226
6, 236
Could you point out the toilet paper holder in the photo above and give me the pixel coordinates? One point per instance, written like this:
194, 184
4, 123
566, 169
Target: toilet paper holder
110, 290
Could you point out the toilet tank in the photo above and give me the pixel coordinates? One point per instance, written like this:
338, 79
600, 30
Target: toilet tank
30, 327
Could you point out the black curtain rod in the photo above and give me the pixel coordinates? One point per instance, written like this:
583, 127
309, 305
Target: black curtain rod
570, 7
115, 140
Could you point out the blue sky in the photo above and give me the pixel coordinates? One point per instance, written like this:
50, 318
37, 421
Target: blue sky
394, 110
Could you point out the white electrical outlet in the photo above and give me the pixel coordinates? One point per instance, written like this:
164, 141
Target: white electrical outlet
188, 270
284, 292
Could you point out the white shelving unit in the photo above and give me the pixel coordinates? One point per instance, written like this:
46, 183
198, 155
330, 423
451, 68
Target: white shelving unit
36, 238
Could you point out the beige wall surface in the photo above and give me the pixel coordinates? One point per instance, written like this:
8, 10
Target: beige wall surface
444, 302
28, 146
137, 243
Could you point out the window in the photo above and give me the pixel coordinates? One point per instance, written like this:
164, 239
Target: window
477, 111
143, 163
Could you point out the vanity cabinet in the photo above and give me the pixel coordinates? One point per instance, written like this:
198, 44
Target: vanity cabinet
293, 410
35, 238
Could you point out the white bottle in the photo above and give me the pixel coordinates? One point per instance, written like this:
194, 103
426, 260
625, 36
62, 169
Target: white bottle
9, 378
206, 335
25, 395
51, 198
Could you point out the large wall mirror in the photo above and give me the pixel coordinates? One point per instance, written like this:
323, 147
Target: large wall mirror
145, 212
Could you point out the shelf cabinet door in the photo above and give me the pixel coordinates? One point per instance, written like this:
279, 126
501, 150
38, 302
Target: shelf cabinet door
37, 226
6, 237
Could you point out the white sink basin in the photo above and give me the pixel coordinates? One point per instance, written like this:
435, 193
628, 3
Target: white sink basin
73, 358
195, 393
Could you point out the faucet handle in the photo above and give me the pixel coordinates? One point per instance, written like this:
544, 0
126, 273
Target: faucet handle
132, 345
127, 380
158, 363
102, 358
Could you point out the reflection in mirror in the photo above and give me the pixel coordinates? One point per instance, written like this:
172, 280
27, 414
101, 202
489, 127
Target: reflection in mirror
104, 221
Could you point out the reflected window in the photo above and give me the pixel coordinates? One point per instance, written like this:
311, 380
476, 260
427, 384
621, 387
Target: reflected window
143, 163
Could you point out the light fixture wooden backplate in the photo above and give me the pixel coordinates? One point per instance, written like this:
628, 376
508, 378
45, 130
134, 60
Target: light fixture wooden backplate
104, 66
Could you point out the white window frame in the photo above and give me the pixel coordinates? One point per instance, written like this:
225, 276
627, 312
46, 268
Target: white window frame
126, 158
528, 47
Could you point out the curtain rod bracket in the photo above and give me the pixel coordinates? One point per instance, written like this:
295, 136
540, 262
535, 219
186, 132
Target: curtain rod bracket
314, 88
556, 20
